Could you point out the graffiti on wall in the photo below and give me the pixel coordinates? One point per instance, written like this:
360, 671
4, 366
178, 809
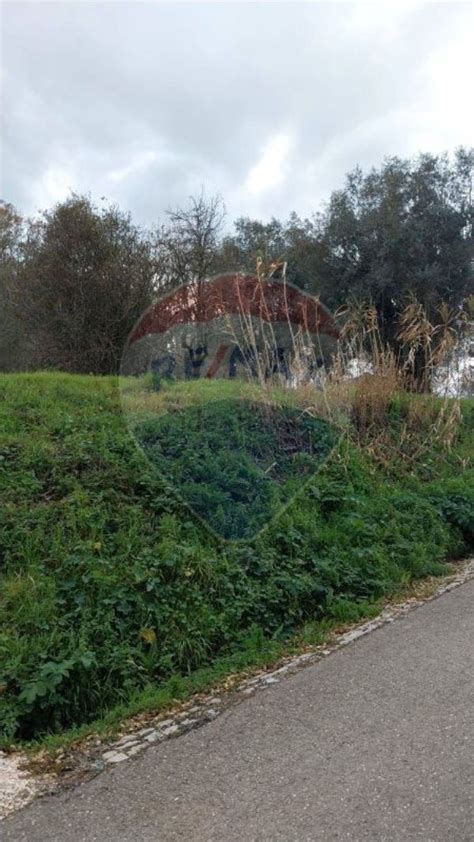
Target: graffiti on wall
230, 326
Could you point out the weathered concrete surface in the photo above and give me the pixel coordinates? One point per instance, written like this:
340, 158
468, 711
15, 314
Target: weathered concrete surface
374, 743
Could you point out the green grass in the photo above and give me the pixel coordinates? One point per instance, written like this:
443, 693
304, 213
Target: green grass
114, 597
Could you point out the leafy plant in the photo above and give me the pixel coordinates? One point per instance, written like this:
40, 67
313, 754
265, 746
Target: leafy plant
112, 592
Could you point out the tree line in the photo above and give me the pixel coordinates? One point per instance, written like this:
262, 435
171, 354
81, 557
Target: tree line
75, 278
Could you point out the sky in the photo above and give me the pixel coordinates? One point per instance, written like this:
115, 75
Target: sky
268, 104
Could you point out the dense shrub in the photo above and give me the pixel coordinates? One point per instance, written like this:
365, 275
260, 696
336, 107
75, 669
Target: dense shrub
453, 500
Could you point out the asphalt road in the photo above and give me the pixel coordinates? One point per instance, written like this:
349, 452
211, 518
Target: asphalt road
376, 742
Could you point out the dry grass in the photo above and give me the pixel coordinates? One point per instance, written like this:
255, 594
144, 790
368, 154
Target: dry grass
367, 379
359, 388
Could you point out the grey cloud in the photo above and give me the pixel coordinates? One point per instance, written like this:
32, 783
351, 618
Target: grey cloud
145, 102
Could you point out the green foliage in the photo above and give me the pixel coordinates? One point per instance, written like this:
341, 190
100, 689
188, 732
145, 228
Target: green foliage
80, 278
111, 592
13, 344
74, 280
236, 463
402, 229
454, 502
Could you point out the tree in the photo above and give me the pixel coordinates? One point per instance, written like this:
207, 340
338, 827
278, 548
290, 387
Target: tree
12, 337
252, 239
86, 276
405, 229
296, 241
187, 247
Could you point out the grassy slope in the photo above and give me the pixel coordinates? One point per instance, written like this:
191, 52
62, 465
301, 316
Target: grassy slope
234, 457
109, 587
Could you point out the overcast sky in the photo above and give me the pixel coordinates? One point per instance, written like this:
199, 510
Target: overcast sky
268, 104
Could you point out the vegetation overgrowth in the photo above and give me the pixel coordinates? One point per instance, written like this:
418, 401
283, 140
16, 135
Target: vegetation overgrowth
235, 454
111, 589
